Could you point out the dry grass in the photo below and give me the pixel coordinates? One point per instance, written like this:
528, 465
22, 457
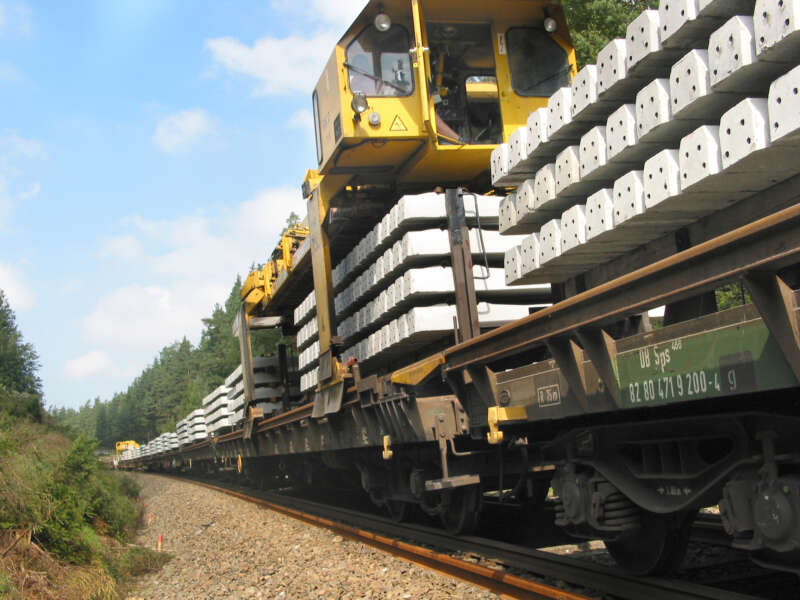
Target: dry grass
30, 573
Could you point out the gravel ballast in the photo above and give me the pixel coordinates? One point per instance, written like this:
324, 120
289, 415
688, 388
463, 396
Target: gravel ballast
224, 547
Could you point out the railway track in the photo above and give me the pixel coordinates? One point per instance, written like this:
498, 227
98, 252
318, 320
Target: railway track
536, 574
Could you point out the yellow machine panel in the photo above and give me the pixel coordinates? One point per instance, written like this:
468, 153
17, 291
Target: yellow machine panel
126, 445
411, 79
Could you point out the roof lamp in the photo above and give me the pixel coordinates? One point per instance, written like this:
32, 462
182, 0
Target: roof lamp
382, 21
550, 25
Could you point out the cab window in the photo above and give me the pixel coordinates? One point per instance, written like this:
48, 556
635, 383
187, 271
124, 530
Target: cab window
378, 63
538, 65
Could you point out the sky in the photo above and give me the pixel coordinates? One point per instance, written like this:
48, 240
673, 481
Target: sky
150, 151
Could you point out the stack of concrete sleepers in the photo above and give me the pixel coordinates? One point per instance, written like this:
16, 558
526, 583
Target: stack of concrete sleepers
215, 409
196, 425
182, 429
399, 266
268, 388
163, 443
701, 105
171, 441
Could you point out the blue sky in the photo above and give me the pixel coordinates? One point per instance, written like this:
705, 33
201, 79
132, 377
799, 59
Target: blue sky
149, 152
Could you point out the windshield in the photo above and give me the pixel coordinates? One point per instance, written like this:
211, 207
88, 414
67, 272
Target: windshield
539, 66
378, 63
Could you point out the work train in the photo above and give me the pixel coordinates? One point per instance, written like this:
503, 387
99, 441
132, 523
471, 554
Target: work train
487, 230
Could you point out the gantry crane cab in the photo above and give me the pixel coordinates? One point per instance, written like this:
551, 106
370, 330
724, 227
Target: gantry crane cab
421, 91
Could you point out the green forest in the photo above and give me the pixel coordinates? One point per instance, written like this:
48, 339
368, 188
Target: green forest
173, 385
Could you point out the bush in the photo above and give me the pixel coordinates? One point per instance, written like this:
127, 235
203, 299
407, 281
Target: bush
75, 508
84, 493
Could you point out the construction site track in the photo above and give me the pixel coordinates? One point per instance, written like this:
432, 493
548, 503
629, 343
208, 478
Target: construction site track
594, 580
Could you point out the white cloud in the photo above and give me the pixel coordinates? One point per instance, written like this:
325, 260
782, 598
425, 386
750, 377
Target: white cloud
13, 145
187, 265
302, 119
8, 72
16, 289
148, 317
289, 65
16, 150
177, 132
125, 247
32, 191
91, 363
16, 18
337, 15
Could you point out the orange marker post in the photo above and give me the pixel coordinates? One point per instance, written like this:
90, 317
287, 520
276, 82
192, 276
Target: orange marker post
160, 541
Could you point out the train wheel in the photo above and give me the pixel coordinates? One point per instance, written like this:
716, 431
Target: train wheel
461, 508
398, 510
658, 546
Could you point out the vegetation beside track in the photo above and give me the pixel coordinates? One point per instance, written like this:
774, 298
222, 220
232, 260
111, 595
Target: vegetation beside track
65, 517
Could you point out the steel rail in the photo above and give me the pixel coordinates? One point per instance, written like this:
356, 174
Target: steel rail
769, 243
543, 564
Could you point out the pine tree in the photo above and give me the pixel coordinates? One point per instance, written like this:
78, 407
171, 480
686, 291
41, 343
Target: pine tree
20, 386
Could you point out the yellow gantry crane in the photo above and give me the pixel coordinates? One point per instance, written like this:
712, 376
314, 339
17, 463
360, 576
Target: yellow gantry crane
416, 94
126, 445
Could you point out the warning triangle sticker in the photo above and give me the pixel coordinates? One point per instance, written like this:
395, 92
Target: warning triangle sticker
398, 125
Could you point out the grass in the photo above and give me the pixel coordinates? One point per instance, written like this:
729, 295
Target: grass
65, 519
